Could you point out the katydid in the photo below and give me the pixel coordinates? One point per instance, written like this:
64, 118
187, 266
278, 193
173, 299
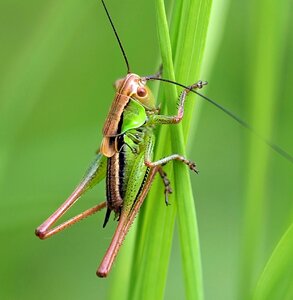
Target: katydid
125, 157
126, 160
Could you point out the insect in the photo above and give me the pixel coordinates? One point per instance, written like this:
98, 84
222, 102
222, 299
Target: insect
125, 157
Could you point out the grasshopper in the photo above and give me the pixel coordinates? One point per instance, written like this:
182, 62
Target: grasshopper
125, 157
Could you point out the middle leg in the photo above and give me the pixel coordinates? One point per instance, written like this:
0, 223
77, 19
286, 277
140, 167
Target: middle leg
151, 164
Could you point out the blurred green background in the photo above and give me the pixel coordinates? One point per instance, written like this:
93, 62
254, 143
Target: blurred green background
58, 62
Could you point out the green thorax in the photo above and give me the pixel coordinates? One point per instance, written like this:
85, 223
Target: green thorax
134, 116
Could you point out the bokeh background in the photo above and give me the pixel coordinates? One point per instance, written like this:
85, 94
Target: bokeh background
58, 62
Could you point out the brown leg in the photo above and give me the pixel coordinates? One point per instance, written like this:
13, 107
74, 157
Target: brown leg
168, 189
44, 232
94, 174
125, 221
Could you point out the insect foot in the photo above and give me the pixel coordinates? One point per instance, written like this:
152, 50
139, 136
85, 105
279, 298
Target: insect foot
198, 85
192, 166
166, 181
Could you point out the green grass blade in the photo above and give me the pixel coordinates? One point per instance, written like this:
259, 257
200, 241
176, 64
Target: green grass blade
276, 281
265, 61
188, 60
157, 222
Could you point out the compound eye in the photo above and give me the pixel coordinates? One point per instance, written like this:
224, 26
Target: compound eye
141, 92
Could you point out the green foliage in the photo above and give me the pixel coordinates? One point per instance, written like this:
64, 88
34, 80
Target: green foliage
153, 245
265, 64
58, 61
276, 279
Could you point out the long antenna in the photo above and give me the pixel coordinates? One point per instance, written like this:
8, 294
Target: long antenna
272, 145
117, 37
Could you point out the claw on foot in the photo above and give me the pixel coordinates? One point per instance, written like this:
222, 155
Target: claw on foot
198, 85
192, 167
